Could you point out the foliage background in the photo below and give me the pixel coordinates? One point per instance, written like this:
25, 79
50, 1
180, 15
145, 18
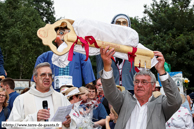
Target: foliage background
168, 27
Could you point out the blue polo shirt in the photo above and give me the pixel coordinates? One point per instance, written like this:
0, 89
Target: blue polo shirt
12, 97
112, 125
2, 117
99, 113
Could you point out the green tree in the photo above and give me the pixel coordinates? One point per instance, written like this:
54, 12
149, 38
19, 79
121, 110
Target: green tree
19, 23
93, 61
168, 27
45, 9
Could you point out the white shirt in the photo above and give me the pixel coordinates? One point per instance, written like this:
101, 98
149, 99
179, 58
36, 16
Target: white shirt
138, 118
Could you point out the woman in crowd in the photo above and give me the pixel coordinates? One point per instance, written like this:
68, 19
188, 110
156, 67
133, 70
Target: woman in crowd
84, 97
112, 116
4, 111
110, 120
182, 119
72, 95
99, 112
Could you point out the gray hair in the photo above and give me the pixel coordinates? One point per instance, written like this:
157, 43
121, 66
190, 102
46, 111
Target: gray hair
45, 64
146, 73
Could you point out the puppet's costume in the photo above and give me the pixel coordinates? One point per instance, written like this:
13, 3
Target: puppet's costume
121, 67
78, 68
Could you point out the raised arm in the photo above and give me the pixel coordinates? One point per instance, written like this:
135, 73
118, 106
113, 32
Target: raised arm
112, 94
172, 101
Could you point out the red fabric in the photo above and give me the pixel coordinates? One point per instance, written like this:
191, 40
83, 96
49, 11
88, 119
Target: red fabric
86, 46
136, 69
131, 56
113, 59
91, 40
70, 55
100, 97
84, 42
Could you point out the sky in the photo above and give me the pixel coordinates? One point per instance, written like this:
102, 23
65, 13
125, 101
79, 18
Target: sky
101, 10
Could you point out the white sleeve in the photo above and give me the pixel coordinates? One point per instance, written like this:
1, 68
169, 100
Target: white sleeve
107, 75
164, 77
18, 114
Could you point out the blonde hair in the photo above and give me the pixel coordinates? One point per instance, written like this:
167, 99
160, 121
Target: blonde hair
113, 111
5, 104
156, 93
84, 89
183, 98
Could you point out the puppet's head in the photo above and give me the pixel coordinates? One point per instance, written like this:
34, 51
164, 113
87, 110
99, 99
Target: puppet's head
121, 19
61, 31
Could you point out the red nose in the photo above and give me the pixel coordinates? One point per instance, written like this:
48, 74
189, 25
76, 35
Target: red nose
58, 40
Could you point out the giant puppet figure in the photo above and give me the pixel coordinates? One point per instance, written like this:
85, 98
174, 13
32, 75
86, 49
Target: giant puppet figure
122, 70
87, 36
2, 71
78, 69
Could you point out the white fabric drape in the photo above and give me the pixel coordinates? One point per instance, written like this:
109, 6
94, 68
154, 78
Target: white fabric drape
103, 32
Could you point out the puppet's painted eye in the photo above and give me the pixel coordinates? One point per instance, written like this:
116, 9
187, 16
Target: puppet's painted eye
61, 32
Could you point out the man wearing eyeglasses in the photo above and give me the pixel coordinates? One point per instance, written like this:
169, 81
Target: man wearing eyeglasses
28, 106
141, 110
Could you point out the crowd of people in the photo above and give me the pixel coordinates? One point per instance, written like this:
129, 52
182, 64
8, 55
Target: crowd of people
117, 99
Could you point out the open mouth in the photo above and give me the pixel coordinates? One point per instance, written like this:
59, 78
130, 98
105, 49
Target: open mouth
46, 82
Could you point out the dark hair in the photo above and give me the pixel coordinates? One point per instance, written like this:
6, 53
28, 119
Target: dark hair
57, 28
25, 90
97, 80
71, 98
91, 86
44, 64
9, 82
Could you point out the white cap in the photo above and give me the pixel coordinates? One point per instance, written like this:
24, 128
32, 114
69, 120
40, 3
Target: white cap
157, 84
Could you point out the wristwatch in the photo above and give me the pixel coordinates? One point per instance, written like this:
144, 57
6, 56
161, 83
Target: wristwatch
164, 74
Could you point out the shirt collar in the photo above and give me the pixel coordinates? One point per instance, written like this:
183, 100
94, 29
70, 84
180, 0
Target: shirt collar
147, 101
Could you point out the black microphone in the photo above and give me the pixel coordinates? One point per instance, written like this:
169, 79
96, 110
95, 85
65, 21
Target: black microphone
45, 105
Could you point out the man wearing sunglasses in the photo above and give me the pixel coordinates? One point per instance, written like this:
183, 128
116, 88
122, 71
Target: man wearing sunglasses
141, 110
28, 106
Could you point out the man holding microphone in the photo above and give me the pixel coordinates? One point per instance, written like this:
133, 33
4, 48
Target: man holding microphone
28, 107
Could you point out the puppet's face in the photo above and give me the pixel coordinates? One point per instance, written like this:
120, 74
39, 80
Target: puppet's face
61, 32
122, 22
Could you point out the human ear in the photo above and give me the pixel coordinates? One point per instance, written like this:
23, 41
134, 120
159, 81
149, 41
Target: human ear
34, 77
153, 87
